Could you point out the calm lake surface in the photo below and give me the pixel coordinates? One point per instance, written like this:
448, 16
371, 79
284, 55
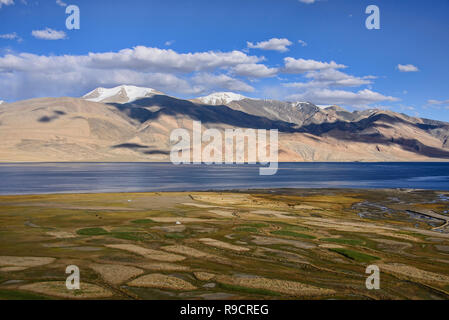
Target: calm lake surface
41, 178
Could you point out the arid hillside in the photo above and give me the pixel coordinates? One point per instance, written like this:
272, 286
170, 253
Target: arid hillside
73, 129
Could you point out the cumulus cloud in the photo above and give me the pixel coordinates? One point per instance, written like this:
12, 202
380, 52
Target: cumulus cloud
330, 78
407, 68
48, 34
254, 70
341, 97
6, 2
61, 3
273, 44
307, 1
11, 36
150, 59
293, 65
302, 43
437, 102
28, 75
206, 82
169, 43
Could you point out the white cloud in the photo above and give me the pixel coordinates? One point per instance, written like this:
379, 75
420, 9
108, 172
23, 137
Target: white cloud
341, 97
11, 36
302, 43
437, 102
169, 43
293, 65
407, 68
209, 82
60, 3
150, 59
48, 34
6, 2
273, 44
28, 75
307, 1
330, 78
255, 70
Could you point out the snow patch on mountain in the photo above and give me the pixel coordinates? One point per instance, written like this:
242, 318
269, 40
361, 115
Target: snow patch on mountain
221, 98
125, 92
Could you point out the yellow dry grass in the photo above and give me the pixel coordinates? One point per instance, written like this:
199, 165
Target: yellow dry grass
115, 273
204, 276
410, 272
162, 281
148, 253
61, 234
12, 269
222, 245
13, 261
290, 288
59, 289
188, 251
161, 266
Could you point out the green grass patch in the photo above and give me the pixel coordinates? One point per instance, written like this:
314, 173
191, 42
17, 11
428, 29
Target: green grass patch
246, 229
92, 232
174, 236
262, 292
291, 227
355, 255
20, 295
255, 225
135, 236
292, 234
351, 242
143, 221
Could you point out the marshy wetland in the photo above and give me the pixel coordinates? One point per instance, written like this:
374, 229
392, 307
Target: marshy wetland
258, 244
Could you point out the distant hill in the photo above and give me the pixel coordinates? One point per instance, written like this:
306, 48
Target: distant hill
134, 124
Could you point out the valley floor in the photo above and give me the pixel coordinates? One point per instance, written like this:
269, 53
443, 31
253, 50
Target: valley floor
259, 244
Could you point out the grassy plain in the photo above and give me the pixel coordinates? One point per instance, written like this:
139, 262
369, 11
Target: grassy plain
278, 244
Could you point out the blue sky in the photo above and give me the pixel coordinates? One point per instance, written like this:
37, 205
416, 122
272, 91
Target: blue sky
282, 49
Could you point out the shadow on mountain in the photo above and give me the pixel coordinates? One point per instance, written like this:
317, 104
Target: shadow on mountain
56, 115
319, 129
139, 147
353, 131
137, 110
46, 119
151, 152
129, 146
341, 130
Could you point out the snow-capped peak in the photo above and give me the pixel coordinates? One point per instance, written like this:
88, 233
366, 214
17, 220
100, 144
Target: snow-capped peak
121, 94
221, 98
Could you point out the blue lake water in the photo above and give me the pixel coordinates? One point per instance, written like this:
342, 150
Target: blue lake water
40, 178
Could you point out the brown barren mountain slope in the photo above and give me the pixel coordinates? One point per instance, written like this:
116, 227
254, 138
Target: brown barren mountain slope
72, 129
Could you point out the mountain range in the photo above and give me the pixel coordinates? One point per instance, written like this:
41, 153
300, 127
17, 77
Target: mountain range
129, 123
